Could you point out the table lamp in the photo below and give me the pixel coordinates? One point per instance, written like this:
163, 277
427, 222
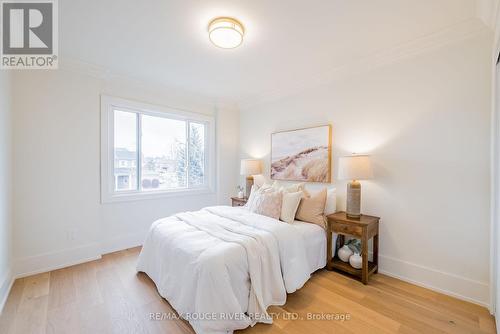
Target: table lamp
248, 168
354, 168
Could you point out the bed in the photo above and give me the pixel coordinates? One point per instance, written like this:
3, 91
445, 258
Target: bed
221, 267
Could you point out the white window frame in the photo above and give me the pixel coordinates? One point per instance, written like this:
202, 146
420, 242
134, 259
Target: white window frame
108, 105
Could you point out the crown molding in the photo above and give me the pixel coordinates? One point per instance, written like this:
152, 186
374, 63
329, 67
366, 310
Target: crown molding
450, 35
453, 34
78, 66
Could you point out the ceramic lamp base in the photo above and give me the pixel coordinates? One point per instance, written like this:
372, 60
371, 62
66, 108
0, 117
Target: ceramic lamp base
353, 207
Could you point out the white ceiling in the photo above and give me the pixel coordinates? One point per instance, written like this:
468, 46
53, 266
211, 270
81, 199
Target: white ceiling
165, 41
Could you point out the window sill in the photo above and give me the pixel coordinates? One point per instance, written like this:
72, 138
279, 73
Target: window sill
139, 196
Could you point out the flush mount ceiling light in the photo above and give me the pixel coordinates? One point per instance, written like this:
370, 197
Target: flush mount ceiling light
225, 32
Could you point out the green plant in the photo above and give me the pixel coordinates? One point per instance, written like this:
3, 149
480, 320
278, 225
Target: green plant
354, 245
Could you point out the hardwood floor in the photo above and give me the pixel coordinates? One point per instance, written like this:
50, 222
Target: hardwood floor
108, 296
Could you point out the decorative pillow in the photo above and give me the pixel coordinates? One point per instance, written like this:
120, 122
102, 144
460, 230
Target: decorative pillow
289, 206
290, 188
255, 190
331, 201
267, 203
267, 186
311, 209
251, 198
259, 180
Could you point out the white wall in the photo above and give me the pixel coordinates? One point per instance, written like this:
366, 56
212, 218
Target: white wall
495, 221
426, 121
57, 168
5, 188
495, 152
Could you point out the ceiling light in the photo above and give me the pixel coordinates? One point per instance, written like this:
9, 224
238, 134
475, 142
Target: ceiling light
225, 32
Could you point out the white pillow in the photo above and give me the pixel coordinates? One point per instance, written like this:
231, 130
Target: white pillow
331, 201
251, 198
259, 180
288, 187
289, 206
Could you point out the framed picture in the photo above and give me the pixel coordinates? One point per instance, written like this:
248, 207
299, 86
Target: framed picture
302, 155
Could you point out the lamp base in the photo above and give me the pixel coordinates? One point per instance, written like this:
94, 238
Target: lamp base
353, 205
248, 186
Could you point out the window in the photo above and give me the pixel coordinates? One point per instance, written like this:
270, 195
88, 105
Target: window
150, 151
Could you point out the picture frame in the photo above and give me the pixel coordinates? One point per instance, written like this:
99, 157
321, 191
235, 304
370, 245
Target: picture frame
303, 154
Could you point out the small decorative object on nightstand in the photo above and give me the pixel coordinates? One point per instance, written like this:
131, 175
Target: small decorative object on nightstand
364, 228
344, 253
356, 261
236, 201
248, 168
354, 168
240, 192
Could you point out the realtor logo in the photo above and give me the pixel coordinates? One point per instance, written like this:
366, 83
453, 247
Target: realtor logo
29, 34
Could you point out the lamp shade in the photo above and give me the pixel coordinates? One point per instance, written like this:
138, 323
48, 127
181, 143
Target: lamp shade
250, 167
355, 167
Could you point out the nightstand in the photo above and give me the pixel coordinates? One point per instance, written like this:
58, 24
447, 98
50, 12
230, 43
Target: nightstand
364, 228
235, 201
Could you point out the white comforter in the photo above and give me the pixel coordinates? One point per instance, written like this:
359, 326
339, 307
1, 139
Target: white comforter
221, 267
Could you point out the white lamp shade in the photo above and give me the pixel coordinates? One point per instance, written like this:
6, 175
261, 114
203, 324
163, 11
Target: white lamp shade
250, 167
355, 167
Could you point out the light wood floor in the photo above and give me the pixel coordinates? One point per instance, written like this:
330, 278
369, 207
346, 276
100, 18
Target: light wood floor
108, 296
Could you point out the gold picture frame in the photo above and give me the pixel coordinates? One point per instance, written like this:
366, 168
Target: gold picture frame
303, 154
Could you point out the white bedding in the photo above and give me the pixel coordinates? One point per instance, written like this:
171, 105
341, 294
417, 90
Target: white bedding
315, 239
219, 264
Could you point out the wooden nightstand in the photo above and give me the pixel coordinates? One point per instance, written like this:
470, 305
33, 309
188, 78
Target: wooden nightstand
364, 228
238, 201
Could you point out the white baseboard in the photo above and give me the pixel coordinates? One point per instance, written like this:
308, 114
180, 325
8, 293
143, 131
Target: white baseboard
6, 283
446, 283
122, 242
37, 264
439, 281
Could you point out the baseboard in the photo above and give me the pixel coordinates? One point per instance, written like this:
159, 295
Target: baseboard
6, 283
439, 281
446, 283
37, 264
122, 242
